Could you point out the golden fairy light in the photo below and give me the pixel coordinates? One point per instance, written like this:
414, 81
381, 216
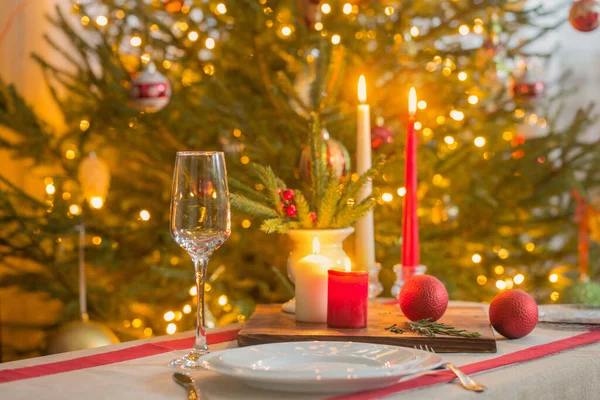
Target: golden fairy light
476, 258
136, 323
473, 99
422, 104
530, 246
169, 316
519, 278
135, 41
387, 197
462, 76
193, 36
120, 14
325, 8
246, 224
187, 309
449, 139
414, 31
74, 209
85, 20
553, 278
347, 9
209, 43
335, 39
389, 10
503, 253
479, 141
222, 300
501, 285
193, 291
50, 189
84, 125
97, 240
144, 215
221, 9
245, 160
478, 29
69, 154
464, 30
171, 328
499, 270
457, 115
148, 332
554, 296
401, 191
418, 126
96, 202
101, 20
318, 26
481, 280
286, 30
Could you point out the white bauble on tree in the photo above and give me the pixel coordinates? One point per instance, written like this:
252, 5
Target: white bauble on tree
150, 90
94, 177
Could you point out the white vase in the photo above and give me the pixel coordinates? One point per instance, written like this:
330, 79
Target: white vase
330, 241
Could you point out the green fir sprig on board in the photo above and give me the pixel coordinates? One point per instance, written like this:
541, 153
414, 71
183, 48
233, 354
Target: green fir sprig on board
331, 202
426, 327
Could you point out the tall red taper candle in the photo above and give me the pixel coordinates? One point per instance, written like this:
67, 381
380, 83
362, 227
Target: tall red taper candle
410, 222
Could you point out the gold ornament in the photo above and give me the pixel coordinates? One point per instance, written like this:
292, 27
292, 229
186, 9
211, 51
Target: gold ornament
79, 335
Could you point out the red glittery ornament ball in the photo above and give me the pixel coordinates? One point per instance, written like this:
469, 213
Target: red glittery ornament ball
288, 195
584, 15
423, 296
513, 314
290, 210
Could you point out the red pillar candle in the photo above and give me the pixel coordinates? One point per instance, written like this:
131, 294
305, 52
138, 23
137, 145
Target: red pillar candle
410, 223
347, 299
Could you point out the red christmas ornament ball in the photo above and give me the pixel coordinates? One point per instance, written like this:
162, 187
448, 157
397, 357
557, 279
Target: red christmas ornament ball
513, 314
288, 195
423, 296
584, 15
290, 210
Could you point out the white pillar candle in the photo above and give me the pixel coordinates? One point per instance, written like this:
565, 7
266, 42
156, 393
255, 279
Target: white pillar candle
365, 230
311, 286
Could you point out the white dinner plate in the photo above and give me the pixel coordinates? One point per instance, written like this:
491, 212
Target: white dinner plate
320, 367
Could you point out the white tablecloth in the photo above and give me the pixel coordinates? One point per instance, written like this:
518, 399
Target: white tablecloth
573, 374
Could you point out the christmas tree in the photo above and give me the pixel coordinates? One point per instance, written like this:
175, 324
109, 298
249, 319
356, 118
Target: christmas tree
144, 79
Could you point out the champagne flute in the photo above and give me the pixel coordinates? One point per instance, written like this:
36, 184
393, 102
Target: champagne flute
200, 223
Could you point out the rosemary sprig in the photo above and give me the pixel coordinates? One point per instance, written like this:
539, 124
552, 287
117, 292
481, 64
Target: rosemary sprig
426, 327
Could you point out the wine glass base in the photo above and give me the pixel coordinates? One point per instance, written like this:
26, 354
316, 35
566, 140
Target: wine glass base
191, 361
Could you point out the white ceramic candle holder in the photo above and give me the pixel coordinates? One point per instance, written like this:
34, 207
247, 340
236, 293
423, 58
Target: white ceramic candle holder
420, 270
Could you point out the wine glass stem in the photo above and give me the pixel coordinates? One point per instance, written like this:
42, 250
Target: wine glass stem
200, 264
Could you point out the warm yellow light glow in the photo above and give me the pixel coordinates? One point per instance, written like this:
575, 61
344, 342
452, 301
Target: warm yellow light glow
422, 104
418, 126
97, 240
509, 283
74, 209
144, 215
530, 246
401, 191
389, 10
209, 43
166, 64
237, 132
85, 20
362, 89
69, 154
479, 141
503, 253
148, 332
507, 135
84, 125
335, 39
245, 160
414, 31
145, 58
553, 278
135, 41
412, 101
440, 119
187, 309
169, 316
222, 300
193, 291
482, 280
318, 26
120, 14
66, 195
347, 9
178, 315
325, 8
554, 296
449, 140
501, 285
437, 179
499, 270
136, 323
478, 29
473, 99
387, 197
464, 30
519, 278
476, 258
462, 76
50, 189
519, 113
171, 328
457, 115
96, 202
193, 36
246, 223
101, 20
427, 132
286, 31
221, 8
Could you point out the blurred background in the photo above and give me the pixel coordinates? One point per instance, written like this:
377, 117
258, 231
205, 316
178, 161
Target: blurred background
508, 158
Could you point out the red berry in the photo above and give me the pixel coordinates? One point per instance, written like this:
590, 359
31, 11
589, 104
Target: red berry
313, 216
423, 296
279, 191
290, 210
288, 195
513, 314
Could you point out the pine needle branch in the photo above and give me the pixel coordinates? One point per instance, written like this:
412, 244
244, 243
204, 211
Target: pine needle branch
426, 327
350, 214
318, 159
245, 190
329, 203
354, 188
268, 178
302, 210
252, 207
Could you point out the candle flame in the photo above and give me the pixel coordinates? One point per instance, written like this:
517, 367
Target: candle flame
362, 89
316, 245
412, 101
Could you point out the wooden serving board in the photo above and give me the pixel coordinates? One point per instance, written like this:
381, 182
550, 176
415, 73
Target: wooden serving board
269, 324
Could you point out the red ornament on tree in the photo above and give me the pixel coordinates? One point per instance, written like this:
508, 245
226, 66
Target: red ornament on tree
150, 90
513, 314
381, 135
290, 210
423, 296
584, 15
288, 195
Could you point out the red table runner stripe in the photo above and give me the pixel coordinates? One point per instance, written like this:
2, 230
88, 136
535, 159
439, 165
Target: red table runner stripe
529, 354
95, 360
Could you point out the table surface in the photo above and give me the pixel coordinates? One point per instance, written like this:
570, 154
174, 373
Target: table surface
570, 374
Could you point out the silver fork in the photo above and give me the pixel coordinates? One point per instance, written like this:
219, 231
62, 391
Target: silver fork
465, 380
